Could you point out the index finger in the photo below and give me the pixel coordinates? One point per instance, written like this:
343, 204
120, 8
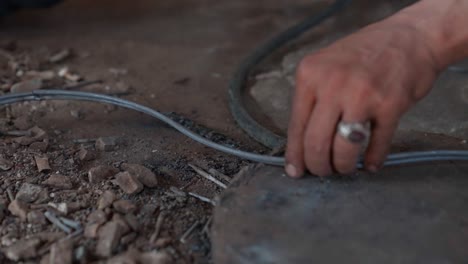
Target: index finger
303, 104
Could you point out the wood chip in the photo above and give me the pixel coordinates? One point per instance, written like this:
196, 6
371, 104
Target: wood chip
106, 200
19, 209
23, 249
108, 239
202, 198
59, 181
129, 183
61, 253
186, 235
159, 223
5, 164
60, 56
208, 176
42, 164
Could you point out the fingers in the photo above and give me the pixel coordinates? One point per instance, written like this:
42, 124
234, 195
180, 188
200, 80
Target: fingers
380, 143
346, 153
303, 105
319, 136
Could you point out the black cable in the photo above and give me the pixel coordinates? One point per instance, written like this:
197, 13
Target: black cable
394, 159
258, 132
238, 83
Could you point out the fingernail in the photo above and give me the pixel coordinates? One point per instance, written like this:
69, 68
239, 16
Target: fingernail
292, 171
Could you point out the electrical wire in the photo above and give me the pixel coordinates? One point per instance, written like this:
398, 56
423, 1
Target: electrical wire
238, 82
41, 95
236, 87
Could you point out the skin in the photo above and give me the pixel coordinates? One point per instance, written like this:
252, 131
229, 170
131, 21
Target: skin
376, 75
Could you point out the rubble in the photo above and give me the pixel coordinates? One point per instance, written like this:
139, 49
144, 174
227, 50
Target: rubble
3, 207
97, 216
40, 146
131, 256
119, 88
37, 134
148, 210
5, 164
108, 239
26, 86
59, 181
61, 253
29, 193
106, 200
43, 75
86, 155
124, 206
45, 259
65, 208
155, 257
23, 122
129, 238
162, 242
128, 183
124, 227
36, 217
91, 230
42, 164
81, 255
79, 174
101, 173
132, 222
77, 114
24, 140
106, 143
66, 74
143, 174
23, 249
8, 239
60, 56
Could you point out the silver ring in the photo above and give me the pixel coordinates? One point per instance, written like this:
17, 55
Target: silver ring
357, 133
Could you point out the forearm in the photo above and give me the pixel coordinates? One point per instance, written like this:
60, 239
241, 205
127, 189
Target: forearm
443, 23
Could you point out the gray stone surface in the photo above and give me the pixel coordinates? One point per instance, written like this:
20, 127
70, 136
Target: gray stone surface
412, 214
407, 214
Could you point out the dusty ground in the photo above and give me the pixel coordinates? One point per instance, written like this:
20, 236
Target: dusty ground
175, 56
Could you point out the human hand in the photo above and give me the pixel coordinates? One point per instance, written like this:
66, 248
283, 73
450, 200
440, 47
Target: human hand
374, 75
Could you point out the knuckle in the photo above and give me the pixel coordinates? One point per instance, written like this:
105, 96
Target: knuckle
336, 78
305, 69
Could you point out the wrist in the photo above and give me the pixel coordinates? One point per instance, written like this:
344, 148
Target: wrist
441, 28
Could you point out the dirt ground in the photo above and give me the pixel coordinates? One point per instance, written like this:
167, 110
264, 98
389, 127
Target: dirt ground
174, 56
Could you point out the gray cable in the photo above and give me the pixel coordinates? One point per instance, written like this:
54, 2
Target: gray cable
394, 159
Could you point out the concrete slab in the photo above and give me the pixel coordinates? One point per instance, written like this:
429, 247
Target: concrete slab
411, 214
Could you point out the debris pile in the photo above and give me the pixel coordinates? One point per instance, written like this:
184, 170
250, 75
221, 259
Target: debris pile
68, 199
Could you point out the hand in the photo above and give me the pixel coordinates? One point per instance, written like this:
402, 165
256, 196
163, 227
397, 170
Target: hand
374, 75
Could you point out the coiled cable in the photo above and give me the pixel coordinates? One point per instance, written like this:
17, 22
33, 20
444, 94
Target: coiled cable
238, 82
